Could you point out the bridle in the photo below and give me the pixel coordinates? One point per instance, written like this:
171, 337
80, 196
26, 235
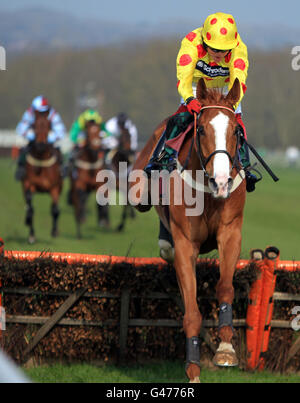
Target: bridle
204, 161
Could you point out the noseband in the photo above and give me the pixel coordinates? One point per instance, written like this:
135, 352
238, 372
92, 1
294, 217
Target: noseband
197, 129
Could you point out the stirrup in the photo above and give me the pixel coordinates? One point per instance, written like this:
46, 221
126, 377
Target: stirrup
253, 168
158, 163
252, 179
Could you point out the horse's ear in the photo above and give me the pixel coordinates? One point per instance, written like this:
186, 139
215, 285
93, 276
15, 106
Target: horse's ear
234, 94
201, 92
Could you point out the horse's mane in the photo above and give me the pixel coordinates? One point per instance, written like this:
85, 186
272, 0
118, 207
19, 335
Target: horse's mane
214, 96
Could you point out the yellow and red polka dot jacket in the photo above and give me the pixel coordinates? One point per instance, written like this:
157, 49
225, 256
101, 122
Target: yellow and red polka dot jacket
194, 62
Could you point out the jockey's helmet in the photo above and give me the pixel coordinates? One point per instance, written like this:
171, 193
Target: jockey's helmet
122, 118
40, 104
90, 115
220, 31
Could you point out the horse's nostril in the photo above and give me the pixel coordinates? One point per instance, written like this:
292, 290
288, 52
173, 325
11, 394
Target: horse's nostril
213, 183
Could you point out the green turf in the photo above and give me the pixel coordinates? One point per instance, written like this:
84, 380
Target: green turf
162, 372
272, 217
138, 239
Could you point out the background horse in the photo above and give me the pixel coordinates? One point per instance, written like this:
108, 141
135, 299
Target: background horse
89, 159
123, 153
43, 173
212, 149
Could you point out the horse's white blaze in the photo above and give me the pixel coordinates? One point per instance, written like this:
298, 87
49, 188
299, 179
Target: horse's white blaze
221, 161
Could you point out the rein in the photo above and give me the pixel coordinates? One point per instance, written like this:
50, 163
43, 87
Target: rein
217, 106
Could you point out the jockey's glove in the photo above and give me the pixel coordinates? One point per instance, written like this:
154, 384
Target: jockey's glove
30, 135
51, 138
193, 105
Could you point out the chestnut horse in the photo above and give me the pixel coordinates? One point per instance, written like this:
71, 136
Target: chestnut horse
213, 150
89, 159
43, 174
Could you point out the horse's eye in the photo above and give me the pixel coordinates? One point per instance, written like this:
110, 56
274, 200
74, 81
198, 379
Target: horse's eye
201, 131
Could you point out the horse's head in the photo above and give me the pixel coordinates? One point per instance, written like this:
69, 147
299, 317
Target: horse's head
41, 127
92, 130
218, 137
124, 140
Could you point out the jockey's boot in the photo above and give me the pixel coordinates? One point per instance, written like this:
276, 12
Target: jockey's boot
21, 163
164, 157
251, 178
165, 160
71, 171
63, 168
71, 168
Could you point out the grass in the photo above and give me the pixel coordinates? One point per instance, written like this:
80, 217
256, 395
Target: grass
162, 372
272, 217
138, 239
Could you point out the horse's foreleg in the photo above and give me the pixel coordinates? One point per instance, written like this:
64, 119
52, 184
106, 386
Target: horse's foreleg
55, 212
29, 216
80, 197
184, 262
103, 216
229, 245
123, 218
128, 211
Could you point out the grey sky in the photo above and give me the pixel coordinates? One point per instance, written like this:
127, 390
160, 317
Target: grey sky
252, 12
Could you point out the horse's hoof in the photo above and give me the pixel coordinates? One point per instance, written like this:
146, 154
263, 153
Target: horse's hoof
195, 380
225, 356
143, 208
166, 251
31, 239
104, 224
54, 234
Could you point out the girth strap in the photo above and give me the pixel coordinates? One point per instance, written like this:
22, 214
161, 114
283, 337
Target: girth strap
41, 163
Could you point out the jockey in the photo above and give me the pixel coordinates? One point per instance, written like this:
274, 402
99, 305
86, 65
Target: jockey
216, 53
77, 132
24, 129
115, 126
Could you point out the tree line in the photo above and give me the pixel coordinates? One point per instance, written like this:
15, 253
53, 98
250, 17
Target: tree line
140, 79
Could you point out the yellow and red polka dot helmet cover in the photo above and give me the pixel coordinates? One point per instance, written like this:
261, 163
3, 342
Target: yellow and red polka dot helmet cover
220, 31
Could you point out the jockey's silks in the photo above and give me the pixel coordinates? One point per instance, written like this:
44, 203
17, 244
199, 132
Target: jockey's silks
194, 62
